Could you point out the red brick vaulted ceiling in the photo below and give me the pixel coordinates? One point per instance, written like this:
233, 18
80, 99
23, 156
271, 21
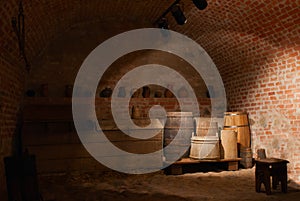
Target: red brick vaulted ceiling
277, 21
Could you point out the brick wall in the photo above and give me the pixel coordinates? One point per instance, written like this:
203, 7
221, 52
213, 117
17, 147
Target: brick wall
254, 44
12, 79
11, 89
269, 90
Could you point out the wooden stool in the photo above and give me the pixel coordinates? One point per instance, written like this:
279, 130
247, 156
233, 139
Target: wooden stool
271, 167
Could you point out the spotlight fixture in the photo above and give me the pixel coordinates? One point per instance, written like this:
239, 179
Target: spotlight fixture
178, 14
163, 23
200, 4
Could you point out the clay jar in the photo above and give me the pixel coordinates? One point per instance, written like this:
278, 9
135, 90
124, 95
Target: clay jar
182, 92
68, 90
168, 93
106, 92
135, 93
44, 90
158, 94
146, 92
135, 112
122, 92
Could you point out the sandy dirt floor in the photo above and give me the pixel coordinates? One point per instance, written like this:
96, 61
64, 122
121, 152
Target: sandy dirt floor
223, 185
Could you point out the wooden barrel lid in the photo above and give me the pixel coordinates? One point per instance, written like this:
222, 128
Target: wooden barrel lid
235, 113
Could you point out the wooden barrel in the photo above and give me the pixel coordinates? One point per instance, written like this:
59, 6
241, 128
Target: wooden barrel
229, 144
205, 127
174, 122
205, 147
246, 155
238, 121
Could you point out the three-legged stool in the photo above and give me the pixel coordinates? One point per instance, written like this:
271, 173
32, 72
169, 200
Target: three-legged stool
271, 167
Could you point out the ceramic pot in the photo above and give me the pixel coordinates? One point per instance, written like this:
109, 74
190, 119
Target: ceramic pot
44, 90
182, 92
122, 92
106, 93
68, 90
146, 92
168, 93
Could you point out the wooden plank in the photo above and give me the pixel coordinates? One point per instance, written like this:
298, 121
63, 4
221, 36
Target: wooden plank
37, 136
38, 113
143, 124
177, 167
41, 139
191, 161
68, 165
118, 136
174, 169
90, 164
46, 101
60, 151
234, 165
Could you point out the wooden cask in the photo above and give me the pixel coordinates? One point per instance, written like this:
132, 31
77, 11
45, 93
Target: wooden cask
238, 121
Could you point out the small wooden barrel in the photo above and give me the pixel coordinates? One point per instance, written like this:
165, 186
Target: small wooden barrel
246, 155
238, 121
229, 144
205, 147
205, 127
176, 121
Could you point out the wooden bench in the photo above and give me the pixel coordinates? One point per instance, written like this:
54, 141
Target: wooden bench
176, 168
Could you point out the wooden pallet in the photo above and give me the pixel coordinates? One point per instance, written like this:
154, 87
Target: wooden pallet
177, 167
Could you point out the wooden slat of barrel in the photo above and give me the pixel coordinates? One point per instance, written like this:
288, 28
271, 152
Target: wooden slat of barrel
205, 127
243, 136
238, 121
229, 144
172, 126
206, 147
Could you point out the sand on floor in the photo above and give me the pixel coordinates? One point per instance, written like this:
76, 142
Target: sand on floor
112, 186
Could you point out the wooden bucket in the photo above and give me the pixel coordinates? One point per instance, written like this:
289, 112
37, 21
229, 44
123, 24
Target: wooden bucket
246, 155
205, 147
229, 144
205, 127
238, 121
175, 121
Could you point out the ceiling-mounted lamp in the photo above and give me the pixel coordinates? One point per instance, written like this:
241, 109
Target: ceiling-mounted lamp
178, 14
200, 4
163, 23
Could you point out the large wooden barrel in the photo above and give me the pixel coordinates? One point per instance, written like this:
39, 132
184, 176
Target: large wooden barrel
175, 121
238, 121
229, 144
205, 147
205, 127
